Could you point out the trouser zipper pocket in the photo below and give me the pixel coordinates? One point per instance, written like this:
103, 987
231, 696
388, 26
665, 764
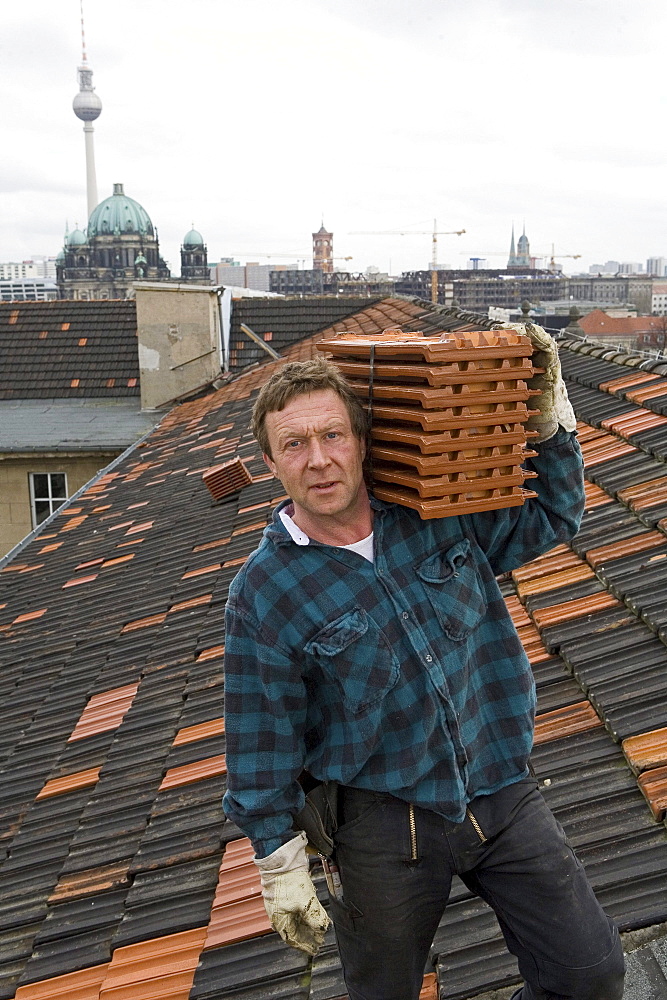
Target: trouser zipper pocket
414, 857
475, 825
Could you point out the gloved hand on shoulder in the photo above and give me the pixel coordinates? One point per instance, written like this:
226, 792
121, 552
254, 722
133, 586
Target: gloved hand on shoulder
290, 899
553, 406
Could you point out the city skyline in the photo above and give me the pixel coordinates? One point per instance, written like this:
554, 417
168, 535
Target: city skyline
256, 122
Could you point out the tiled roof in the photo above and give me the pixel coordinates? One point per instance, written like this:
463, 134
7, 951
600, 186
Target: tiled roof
119, 877
282, 322
68, 349
598, 322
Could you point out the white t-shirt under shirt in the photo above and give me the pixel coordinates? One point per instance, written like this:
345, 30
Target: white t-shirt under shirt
363, 548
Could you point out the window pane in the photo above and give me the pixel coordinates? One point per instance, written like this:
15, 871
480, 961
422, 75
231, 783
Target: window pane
42, 510
58, 488
40, 485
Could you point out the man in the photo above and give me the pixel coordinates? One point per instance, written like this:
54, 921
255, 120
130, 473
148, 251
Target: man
374, 649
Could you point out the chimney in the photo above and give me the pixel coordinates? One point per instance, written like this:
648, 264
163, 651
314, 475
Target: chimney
180, 350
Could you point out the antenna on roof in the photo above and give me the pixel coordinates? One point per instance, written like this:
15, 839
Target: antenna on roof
84, 58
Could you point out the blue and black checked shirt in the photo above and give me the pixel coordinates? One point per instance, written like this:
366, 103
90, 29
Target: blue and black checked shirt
405, 675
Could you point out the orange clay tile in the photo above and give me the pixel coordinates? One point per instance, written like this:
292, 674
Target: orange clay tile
230, 477
192, 734
145, 622
566, 721
613, 448
193, 602
159, 968
627, 380
645, 494
238, 883
218, 543
212, 653
646, 751
234, 562
213, 568
29, 616
80, 579
554, 561
558, 613
82, 985
517, 612
650, 392
69, 783
63, 326
50, 548
92, 881
139, 527
595, 496
534, 648
553, 581
237, 921
249, 527
429, 990
104, 712
626, 547
634, 423
451, 505
237, 852
75, 382
117, 560
176, 777
87, 565
654, 786
73, 523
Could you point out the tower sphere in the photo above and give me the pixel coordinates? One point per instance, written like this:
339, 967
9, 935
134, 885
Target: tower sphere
87, 105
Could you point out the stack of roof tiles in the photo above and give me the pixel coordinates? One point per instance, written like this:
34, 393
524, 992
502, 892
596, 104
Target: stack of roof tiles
448, 416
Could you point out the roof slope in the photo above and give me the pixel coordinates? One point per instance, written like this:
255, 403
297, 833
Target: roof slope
118, 874
283, 322
68, 349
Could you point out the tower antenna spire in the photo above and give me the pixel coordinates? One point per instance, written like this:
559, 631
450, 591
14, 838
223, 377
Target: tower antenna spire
87, 106
84, 58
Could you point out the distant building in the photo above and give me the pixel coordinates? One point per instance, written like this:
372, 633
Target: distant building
37, 267
194, 258
28, 290
323, 250
644, 333
631, 267
119, 247
659, 298
609, 267
656, 266
520, 255
252, 275
317, 282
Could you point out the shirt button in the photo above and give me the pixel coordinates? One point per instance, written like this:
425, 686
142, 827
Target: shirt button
405, 615
428, 658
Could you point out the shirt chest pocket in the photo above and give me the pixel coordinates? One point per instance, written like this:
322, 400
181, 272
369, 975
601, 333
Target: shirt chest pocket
454, 589
355, 654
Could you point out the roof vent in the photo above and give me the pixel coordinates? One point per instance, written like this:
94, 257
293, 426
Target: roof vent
230, 477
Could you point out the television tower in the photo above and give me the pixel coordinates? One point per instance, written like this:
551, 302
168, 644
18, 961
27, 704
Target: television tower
87, 106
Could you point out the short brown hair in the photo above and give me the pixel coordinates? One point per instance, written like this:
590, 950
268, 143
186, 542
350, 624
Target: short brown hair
295, 379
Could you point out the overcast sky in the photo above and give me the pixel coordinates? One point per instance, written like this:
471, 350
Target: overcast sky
257, 119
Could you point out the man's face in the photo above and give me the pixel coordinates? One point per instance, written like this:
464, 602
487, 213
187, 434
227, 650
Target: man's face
317, 457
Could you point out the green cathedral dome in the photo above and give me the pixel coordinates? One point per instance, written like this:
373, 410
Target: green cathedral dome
193, 240
119, 214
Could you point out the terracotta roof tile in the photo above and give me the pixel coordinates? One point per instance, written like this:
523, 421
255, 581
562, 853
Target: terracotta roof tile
653, 784
69, 783
563, 722
176, 777
649, 750
82, 985
192, 734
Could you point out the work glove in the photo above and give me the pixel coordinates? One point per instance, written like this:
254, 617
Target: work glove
553, 406
290, 898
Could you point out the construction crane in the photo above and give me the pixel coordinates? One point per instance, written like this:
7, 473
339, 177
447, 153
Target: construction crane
420, 232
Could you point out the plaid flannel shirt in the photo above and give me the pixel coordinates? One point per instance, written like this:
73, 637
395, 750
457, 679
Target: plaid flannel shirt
405, 675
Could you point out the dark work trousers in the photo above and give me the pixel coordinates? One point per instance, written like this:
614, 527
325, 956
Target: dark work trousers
396, 878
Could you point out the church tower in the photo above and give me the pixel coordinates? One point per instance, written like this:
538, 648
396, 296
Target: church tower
520, 255
323, 251
194, 259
